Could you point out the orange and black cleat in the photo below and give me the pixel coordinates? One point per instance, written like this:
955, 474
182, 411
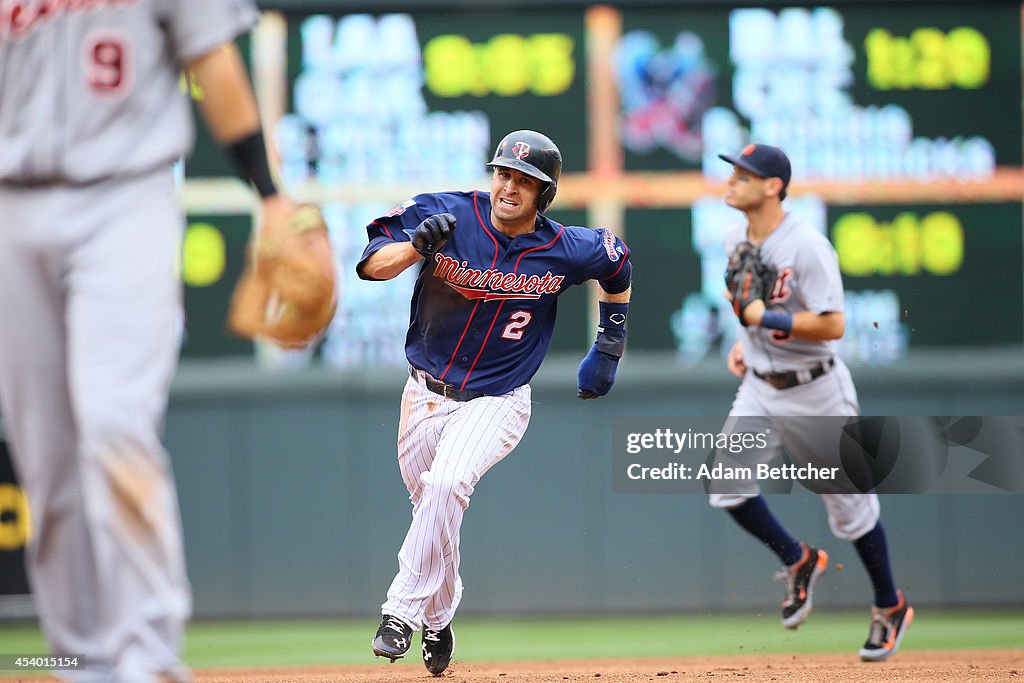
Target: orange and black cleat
800, 580
888, 624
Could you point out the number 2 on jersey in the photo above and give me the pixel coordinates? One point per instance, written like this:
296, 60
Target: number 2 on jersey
514, 330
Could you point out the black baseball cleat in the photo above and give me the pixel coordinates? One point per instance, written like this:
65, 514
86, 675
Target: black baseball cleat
393, 638
888, 624
438, 647
800, 580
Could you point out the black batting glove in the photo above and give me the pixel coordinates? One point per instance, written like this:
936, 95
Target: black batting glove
430, 235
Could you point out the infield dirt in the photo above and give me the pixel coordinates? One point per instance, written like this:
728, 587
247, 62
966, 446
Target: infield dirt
966, 665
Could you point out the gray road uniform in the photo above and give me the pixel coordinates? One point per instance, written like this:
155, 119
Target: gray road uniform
91, 118
795, 377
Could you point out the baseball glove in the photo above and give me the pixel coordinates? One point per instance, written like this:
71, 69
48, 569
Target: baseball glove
748, 278
287, 292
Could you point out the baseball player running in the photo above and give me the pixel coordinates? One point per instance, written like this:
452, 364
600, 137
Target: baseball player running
91, 118
483, 309
785, 354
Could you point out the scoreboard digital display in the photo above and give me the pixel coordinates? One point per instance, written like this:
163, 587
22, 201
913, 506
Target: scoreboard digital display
904, 127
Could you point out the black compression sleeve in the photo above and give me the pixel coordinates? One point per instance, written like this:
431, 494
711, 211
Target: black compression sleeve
250, 156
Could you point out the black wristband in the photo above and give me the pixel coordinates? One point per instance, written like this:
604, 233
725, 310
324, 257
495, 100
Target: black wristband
611, 330
250, 156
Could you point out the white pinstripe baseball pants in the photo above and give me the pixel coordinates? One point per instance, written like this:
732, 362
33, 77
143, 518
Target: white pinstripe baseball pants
444, 447
850, 515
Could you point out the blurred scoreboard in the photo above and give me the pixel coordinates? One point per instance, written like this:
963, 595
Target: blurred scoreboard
904, 127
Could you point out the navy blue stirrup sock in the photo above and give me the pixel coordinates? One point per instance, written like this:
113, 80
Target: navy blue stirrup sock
874, 553
755, 517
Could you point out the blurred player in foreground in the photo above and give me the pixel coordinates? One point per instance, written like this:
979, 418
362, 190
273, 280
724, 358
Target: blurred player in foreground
91, 119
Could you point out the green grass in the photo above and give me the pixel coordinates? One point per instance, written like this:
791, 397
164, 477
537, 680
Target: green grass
292, 643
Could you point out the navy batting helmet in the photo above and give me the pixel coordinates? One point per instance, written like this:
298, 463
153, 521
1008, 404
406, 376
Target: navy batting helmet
535, 155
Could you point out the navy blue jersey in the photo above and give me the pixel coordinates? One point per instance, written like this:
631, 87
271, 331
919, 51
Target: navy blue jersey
483, 309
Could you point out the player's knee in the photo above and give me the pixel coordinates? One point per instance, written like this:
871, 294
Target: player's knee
98, 435
850, 516
447, 485
128, 457
848, 530
852, 527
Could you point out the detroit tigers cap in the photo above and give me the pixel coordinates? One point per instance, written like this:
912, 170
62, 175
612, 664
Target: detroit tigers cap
762, 160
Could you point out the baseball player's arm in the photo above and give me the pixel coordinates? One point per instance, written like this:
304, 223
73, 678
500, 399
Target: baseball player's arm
805, 324
596, 373
388, 261
818, 268
425, 240
291, 260
228, 105
734, 361
620, 298
229, 109
818, 326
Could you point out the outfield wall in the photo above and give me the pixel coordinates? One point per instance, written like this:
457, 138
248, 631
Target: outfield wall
293, 504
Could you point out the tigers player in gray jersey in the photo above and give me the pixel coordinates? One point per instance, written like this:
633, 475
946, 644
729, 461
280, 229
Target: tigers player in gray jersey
91, 119
785, 355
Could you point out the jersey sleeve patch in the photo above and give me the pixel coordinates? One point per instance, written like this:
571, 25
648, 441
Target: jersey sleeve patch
610, 247
400, 209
